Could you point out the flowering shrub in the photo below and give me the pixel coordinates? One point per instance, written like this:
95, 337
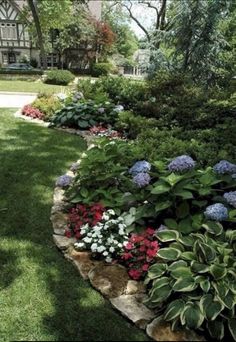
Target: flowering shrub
64, 181
81, 215
106, 237
140, 166
181, 164
141, 179
216, 212
224, 167
34, 113
140, 252
230, 198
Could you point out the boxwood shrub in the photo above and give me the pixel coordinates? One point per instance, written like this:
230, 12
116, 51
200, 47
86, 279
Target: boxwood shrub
59, 77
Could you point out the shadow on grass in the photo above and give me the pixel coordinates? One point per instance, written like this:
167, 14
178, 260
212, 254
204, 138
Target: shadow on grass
31, 159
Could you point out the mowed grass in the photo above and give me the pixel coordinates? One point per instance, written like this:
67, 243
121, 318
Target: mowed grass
30, 87
42, 296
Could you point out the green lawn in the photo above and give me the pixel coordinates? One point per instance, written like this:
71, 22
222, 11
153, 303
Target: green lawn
30, 86
42, 296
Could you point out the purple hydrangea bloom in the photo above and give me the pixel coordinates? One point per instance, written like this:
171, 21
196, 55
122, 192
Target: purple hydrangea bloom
141, 179
224, 167
216, 212
162, 228
64, 181
181, 163
230, 198
140, 166
74, 167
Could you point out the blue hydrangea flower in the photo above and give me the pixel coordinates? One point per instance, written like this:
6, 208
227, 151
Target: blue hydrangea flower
216, 212
142, 179
140, 166
224, 167
64, 181
181, 163
74, 167
230, 198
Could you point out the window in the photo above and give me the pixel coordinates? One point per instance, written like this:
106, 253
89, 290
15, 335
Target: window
8, 31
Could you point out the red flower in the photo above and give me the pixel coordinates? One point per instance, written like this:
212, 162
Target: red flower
135, 274
145, 267
68, 233
127, 256
129, 246
150, 231
142, 248
151, 253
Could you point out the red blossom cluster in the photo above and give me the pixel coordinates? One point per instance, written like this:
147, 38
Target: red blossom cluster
140, 253
96, 130
81, 215
32, 112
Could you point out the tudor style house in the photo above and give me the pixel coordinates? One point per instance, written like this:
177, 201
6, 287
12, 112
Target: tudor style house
15, 42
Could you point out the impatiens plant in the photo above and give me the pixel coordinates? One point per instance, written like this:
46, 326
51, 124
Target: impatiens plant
34, 113
106, 238
193, 282
140, 252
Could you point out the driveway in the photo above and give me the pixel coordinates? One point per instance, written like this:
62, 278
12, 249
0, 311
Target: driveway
15, 100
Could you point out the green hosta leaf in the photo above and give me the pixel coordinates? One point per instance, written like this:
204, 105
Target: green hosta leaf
185, 226
181, 272
205, 191
185, 284
177, 245
189, 256
162, 206
210, 308
176, 264
170, 223
221, 288
213, 227
205, 252
157, 270
205, 285
169, 253
160, 282
174, 309
232, 327
216, 329
187, 240
160, 189
218, 271
160, 293
198, 267
182, 210
228, 300
192, 316
167, 235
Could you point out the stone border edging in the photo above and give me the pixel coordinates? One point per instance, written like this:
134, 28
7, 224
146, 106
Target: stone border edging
112, 281
17, 93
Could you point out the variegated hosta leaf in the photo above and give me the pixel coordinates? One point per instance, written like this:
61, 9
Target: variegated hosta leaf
205, 285
186, 284
176, 264
216, 329
218, 271
174, 309
169, 253
189, 256
167, 235
192, 316
161, 290
229, 300
157, 270
187, 240
181, 272
198, 267
232, 327
210, 308
204, 252
213, 227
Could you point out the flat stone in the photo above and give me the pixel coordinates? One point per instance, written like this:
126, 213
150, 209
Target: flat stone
63, 242
59, 222
58, 208
134, 287
131, 306
159, 330
58, 196
83, 261
71, 174
110, 280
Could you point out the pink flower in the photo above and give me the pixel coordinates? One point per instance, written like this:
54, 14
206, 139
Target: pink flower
135, 274
150, 231
68, 233
129, 246
145, 267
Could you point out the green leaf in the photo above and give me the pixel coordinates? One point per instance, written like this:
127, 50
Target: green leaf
157, 270
184, 194
167, 235
216, 329
162, 206
181, 272
186, 284
168, 253
205, 285
192, 316
171, 223
182, 210
174, 309
227, 300
188, 256
186, 240
173, 179
160, 189
205, 252
213, 227
218, 271
232, 327
161, 290
177, 245
198, 267
210, 308
176, 264
185, 226
84, 192
83, 123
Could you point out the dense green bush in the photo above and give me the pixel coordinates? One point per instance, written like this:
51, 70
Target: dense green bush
92, 90
48, 105
60, 77
84, 115
101, 69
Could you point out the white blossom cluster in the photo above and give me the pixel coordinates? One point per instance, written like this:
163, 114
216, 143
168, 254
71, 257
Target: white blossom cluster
107, 238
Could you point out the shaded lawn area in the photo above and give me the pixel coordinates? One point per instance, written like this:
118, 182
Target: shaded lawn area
30, 87
42, 296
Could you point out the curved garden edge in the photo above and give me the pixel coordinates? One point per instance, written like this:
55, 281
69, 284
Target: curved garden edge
126, 295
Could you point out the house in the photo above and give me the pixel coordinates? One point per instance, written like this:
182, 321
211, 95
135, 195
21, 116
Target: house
15, 40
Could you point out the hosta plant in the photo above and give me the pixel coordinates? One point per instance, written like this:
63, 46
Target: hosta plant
193, 284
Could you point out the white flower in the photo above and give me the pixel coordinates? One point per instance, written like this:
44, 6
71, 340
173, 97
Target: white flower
89, 234
94, 247
120, 245
121, 232
108, 259
105, 216
105, 253
100, 241
100, 249
111, 212
112, 249
87, 239
79, 244
115, 242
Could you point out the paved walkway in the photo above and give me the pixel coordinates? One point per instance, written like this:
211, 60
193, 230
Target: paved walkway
15, 100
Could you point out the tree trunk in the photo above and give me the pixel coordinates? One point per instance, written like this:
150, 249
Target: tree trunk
34, 11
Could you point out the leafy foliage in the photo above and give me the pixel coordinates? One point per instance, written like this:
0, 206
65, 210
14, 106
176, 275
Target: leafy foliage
48, 105
60, 77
